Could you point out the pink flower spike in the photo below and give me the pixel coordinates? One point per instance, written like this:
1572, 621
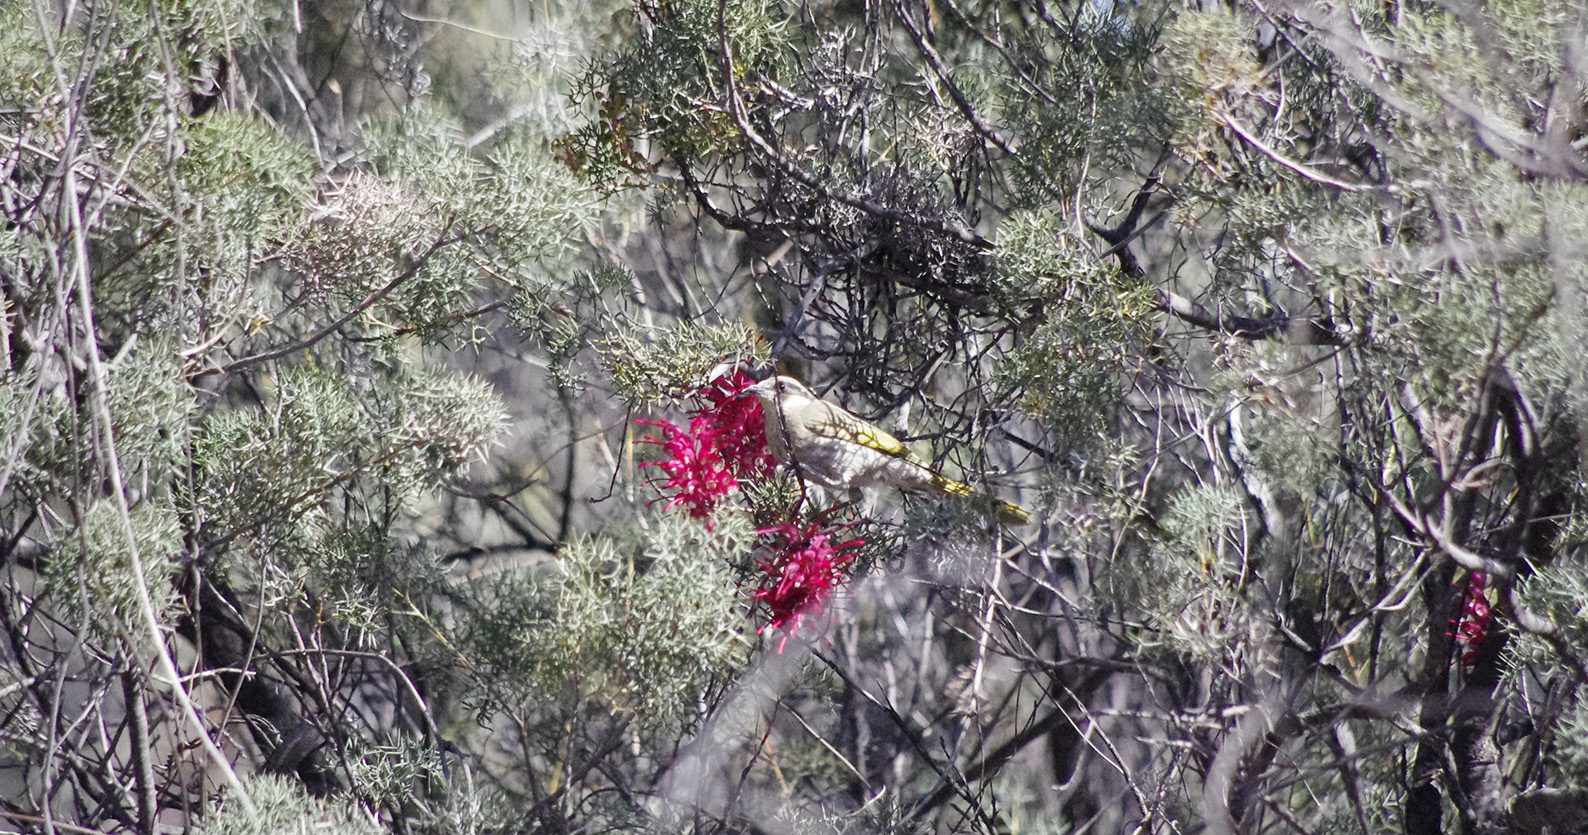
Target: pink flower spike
726, 440
697, 477
800, 574
736, 422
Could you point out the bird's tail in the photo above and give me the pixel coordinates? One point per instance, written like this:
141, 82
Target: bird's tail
1008, 512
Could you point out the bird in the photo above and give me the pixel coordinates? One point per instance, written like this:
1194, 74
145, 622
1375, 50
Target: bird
830, 446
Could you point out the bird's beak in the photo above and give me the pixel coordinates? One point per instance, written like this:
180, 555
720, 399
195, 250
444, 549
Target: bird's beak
762, 388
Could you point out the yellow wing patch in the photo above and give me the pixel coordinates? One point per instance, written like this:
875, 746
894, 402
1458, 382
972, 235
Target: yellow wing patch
837, 423
870, 436
949, 485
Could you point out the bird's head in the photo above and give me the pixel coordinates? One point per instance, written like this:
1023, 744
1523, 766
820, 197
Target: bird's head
767, 390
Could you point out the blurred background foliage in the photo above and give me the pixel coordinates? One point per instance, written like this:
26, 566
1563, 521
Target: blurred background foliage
324, 329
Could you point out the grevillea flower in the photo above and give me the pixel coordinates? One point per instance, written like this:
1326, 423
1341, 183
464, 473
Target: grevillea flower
697, 477
803, 565
738, 428
1473, 622
726, 439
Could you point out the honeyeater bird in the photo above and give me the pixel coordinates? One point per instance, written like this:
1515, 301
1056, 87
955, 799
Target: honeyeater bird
833, 448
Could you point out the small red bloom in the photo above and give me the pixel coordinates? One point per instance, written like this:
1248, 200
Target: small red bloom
726, 439
696, 474
1473, 623
740, 429
800, 572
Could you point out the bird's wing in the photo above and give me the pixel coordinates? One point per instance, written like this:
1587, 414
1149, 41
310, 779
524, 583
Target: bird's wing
833, 422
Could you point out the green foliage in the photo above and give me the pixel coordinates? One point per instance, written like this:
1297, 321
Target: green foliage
1571, 752
390, 774
1091, 335
435, 225
408, 778
242, 190
1370, 211
293, 451
1205, 522
434, 425
648, 633
639, 628
1291, 446
151, 407
1079, 100
141, 57
39, 435
378, 240
654, 90
321, 436
650, 366
533, 76
216, 196
282, 807
100, 570
1209, 66
421, 145
245, 178
24, 66
1453, 55
279, 433
524, 207
533, 208
1559, 594
1192, 590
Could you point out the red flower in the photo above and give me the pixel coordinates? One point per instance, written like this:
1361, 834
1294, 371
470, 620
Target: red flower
1473, 622
726, 439
696, 474
800, 573
738, 426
